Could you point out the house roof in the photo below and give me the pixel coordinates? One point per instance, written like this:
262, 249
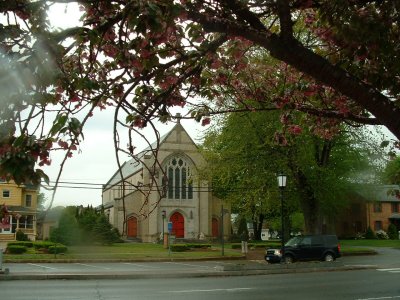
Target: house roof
51, 215
23, 209
380, 193
135, 164
395, 216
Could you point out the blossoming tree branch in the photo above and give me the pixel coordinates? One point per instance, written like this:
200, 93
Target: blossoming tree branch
334, 60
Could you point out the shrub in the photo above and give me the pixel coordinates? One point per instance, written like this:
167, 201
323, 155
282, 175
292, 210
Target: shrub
382, 235
369, 234
197, 246
27, 244
43, 245
392, 232
16, 249
20, 236
179, 247
58, 249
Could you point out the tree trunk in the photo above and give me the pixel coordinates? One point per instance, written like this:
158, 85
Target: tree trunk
257, 226
309, 205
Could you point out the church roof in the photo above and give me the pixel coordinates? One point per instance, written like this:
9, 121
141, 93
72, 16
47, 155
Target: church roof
135, 164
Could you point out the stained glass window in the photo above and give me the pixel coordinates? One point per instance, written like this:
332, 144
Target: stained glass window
180, 183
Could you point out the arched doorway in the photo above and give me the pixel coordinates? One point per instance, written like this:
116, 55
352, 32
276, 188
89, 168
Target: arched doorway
132, 227
178, 225
215, 227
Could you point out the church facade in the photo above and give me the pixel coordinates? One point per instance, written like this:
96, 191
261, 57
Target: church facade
187, 208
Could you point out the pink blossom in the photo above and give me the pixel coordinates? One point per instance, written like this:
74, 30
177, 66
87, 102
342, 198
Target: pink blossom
205, 121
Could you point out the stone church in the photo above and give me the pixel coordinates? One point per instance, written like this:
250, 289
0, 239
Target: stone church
187, 208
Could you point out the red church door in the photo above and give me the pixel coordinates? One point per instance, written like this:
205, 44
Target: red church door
132, 227
178, 225
215, 227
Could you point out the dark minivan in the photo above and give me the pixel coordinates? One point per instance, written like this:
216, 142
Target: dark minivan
306, 247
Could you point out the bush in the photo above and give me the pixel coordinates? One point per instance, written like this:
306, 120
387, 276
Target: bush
382, 235
58, 249
21, 243
20, 236
392, 232
43, 245
197, 246
369, 234
179, 247
16, 249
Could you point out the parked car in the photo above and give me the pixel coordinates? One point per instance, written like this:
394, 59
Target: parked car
306, 247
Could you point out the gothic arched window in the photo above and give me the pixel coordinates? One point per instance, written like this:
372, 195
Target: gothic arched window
179, 178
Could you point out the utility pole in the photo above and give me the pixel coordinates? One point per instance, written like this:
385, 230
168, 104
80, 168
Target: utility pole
222, 229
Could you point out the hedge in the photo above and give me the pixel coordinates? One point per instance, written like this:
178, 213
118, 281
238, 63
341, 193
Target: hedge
179, 247
199, 245
28, 244
16, 249
43, 245
58, 249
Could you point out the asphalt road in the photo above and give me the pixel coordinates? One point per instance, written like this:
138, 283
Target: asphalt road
362, 285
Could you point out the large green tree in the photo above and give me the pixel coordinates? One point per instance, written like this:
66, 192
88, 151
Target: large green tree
245, 158
391, 173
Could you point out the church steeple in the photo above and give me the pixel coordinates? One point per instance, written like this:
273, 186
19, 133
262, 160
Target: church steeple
178, 117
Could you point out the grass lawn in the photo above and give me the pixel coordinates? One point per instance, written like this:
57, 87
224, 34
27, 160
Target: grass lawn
149, 252
370, 243
126, 251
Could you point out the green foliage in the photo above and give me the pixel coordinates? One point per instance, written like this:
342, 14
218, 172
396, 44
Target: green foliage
391, 174
103, 231
55, 249
242, 226
244, 158
392, 232
370, 234
16, 249
79, 225
87, 219
381, 235
179, 247
297, 222
199, 246
68, 231
43, 244
27, 244
20, 236
41, 199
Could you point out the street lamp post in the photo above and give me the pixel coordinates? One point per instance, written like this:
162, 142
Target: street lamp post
282, 184
163, 214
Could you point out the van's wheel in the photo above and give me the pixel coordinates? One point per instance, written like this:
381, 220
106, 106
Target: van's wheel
329, 257
288, 259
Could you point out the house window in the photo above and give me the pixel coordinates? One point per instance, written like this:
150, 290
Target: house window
26, 222
377, 207
395, 207
6, 193
178, 175
28, 200
377, 225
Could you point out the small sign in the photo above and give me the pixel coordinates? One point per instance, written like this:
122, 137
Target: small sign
170, 227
